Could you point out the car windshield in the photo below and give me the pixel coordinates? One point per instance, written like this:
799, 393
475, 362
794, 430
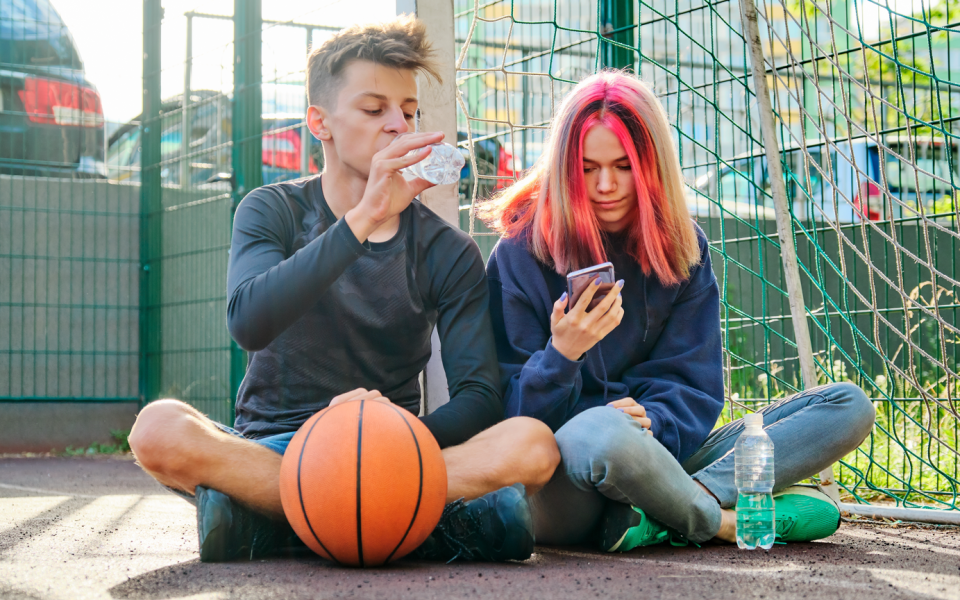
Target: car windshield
33, 34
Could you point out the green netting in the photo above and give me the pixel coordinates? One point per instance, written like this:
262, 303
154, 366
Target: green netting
866, 100
69, 253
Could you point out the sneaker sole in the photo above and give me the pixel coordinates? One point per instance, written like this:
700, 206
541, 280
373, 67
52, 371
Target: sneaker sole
818, 516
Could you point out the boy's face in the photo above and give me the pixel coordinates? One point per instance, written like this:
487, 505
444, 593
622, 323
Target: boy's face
374, 106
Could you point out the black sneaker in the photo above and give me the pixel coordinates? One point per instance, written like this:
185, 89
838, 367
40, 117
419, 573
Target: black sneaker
624, 527
228, 531
492, 528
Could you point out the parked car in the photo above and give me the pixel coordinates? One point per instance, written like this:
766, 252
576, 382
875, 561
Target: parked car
492, 160
208, 153
739, 184
51, 117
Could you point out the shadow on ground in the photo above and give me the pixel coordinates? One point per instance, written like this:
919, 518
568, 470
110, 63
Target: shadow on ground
80, 528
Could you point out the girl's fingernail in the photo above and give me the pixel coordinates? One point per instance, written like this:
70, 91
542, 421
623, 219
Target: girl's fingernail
596, 281
563, 297
621, 410
620, 283
619, 295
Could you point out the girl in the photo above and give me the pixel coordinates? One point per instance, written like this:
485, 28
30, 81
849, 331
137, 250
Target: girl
633, 387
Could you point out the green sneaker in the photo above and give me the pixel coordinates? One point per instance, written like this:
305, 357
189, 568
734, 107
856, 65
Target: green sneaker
805, 514
626, 527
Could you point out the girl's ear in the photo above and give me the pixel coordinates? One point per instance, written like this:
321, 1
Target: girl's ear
315, 123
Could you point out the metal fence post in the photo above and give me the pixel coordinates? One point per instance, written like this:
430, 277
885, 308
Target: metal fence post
616, 23
150, 208
186, 127
247, 132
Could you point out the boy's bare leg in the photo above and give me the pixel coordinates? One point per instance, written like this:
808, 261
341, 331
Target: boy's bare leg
181, 448
517, 450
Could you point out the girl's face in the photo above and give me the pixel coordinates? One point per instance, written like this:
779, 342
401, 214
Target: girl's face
610, 183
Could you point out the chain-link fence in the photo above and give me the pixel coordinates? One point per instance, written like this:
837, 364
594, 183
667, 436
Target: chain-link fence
113, 245
866, 98
69, 240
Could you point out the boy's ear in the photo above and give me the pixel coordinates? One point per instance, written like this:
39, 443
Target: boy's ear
315, 123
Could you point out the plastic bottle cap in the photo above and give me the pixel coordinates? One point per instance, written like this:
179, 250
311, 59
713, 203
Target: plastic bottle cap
753, 421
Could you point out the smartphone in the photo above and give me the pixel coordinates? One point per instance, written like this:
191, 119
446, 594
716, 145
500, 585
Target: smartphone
578, 281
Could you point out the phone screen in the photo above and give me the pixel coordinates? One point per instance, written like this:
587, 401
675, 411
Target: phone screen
578, 281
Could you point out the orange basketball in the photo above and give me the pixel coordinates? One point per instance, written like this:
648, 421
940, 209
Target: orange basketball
363, 483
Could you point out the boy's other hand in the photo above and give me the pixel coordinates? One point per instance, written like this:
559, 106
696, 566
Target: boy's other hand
388, 193
358, 394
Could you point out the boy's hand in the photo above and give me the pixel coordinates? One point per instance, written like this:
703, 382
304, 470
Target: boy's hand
388, 192
358, 394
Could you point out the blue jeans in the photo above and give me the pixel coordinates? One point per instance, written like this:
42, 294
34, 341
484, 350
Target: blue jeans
607, 456
278, 443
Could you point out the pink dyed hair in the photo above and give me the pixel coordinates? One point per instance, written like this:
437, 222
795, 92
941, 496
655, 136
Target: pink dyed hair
550, 204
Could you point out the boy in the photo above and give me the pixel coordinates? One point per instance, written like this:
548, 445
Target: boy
335, 283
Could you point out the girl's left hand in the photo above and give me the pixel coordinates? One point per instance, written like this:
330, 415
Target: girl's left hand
630, 407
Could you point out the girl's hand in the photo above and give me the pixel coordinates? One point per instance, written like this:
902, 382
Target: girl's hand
630, 407
577, 331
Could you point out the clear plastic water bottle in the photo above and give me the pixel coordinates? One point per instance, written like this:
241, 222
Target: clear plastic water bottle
441, 167
753, 456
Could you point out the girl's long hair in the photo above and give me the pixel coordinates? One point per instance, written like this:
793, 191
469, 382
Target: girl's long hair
550, 204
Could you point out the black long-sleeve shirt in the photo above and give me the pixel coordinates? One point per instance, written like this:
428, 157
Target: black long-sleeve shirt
322, 314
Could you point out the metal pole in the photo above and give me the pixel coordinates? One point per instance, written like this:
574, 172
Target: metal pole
150, 208
186, 126
788, 252
247, 132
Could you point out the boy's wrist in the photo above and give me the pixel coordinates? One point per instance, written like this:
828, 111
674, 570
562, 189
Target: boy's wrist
360, 224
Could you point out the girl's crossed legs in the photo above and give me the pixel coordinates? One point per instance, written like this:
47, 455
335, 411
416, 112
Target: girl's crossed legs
607, 456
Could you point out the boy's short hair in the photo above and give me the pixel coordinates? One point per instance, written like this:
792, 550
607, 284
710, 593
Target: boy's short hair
400, 44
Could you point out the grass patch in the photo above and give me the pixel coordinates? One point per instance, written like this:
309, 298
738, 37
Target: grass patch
120, 445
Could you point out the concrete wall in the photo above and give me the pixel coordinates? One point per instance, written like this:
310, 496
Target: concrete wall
46, 426
69, 310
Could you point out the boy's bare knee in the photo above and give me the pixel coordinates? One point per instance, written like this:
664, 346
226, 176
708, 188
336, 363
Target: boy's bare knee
160, 437
536, 449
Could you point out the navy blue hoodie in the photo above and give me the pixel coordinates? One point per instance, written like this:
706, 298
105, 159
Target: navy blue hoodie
665, 354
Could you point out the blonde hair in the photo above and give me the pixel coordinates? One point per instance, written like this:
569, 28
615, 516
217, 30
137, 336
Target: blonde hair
550, 204
400, 43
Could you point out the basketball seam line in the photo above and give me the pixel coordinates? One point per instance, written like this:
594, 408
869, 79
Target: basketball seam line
303, 507
359, 506
416, 510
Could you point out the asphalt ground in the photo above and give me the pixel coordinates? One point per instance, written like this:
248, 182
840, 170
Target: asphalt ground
76, 528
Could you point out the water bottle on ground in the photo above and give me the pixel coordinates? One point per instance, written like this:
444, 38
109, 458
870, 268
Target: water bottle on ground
753, 456
441, 167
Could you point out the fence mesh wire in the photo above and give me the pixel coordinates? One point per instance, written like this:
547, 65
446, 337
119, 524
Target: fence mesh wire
69, 252
866, 97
